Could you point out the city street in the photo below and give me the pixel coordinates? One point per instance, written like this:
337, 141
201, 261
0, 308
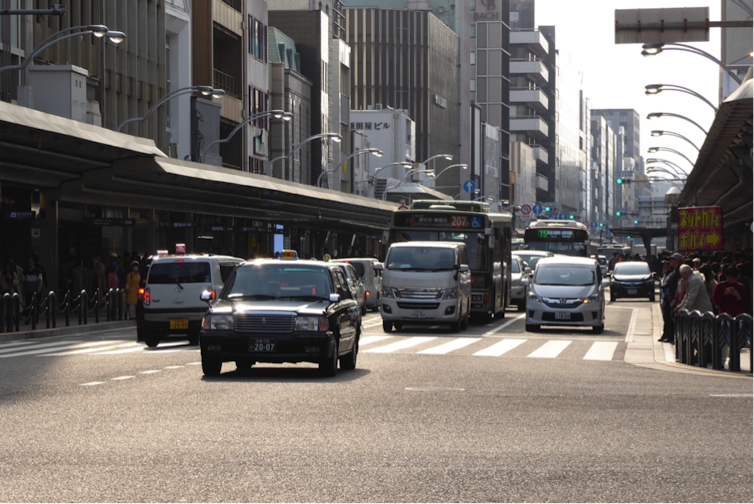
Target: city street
489, 414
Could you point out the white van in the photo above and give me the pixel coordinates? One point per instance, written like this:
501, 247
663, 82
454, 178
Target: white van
426, 283
171, 295
370, 277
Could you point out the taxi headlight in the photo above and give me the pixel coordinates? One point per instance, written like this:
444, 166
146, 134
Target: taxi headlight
311, 324
449, 294
535, 298
217, 322
388, 292
592, 299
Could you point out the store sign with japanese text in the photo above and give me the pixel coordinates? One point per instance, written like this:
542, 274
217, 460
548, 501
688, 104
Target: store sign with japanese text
700, 228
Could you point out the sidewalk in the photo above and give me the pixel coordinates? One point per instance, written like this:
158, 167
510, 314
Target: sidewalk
64, 331
644, 350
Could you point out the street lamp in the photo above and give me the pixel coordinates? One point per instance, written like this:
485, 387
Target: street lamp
332, 136
378, 170
659, 133
655, 169
277, 114
669, 163
204, 90
655, 89
463, 166
654, 150
408, 174
655, 48
656, 115
376, 152
99, 31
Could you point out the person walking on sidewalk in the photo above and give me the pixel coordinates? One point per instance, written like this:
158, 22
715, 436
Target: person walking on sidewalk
730, 296
133, 282
668, 287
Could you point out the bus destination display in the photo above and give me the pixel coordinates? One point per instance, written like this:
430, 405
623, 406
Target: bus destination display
555, 234
434, 220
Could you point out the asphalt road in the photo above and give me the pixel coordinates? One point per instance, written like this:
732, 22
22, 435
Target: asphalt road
490, 414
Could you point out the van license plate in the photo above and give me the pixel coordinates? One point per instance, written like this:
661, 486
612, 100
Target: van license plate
633, 292
562, 316
261, 345
179, 324
418, 314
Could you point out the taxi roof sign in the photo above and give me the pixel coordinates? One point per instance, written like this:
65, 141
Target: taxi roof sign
289, 255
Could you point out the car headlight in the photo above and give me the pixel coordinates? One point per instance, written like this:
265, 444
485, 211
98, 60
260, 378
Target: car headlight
311, 324
389, 292
592, 299
535, 298
217, 322
449, 294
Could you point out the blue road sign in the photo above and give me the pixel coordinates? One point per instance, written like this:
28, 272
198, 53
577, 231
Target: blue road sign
537, 209
469, 186
563, 216
476, 222
595, 224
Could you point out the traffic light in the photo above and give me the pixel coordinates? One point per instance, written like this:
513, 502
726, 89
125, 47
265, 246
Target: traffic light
570, 217
547, 209
619, 181
636, 221
617, 213
602, 224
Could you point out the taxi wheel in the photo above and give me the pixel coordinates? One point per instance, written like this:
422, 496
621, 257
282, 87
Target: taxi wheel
387, 326
598, 329
465, 323
364, 308
244, 365
455, 327
211, 366
521, 306
652, 297
329, 366
193, 338
532, 328
151, 341
398, 326
348, 362
613, 297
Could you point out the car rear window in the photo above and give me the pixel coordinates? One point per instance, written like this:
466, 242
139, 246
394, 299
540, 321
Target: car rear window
359, 267
632, 268
186, 272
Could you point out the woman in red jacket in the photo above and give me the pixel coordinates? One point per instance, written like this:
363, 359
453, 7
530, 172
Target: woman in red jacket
730, 296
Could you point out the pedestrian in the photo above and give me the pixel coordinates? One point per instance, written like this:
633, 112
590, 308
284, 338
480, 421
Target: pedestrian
9, 280
19, 272
112, 276
119, 271
709, 281
78, 277
730, 296
695, 297
32, 283
669, 287
95, 278
133, 282
613, 261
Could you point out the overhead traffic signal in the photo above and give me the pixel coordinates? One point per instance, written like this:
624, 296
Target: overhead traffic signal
619, 181
617, 213
547, 209
636, 221
570, 217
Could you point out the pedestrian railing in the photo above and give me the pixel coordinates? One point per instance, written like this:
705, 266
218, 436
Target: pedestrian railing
701, 339
14, 312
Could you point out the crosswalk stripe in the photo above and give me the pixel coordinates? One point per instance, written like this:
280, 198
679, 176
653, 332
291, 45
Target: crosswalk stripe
38, 349
550, 350
402, 345
15, 344
88, 350
366, 340
450, 346
500, 347
141, 348
601, 350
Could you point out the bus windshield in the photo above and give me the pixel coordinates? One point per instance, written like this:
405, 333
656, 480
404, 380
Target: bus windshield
476, 243
565, 248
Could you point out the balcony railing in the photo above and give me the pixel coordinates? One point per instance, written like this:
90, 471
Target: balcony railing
227, 83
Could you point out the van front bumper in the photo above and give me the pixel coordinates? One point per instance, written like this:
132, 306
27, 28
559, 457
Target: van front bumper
420, 311
540, 313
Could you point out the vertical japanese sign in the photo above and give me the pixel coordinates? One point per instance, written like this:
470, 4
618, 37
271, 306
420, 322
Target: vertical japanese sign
700, 228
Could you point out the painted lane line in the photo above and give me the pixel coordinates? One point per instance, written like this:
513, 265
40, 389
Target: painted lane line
87, 350
121, 378
172, 367
142, 348
39, 349
16, 343
450, 346
601, 350
194, 364
151, 371
631, 326
366, 340
500, 347
93, 383
402, 345
731, 395
549, 350
503, 326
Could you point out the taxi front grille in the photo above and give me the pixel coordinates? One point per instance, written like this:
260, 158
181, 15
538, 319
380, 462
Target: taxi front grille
247, 323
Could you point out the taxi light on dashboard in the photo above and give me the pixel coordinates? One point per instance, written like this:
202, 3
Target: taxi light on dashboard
289, 255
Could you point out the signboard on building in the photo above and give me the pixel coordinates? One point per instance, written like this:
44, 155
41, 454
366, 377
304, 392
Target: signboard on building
678, 24
700, 228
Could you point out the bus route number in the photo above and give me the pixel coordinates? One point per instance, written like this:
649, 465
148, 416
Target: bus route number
459, 221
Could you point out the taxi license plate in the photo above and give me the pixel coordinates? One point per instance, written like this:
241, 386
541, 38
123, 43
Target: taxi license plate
179, 324
261, 345
633, 292
418, 314
562, 316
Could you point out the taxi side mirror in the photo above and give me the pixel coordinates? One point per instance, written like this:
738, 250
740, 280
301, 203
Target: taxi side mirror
378, 267
207, 296
334, 298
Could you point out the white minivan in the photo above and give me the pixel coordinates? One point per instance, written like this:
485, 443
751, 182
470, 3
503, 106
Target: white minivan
426, 283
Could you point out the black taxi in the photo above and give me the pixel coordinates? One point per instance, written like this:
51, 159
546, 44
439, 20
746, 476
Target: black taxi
279, 311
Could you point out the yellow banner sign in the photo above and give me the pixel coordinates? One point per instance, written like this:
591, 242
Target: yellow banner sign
700, 228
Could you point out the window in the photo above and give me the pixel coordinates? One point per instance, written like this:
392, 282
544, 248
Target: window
473, 31
257, 39
473, 57
472, 86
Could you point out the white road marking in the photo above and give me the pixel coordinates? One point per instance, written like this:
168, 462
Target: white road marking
172, 367
16, 343
372, 324
141, 348
87, 350
151, 371
194, 364
731, 395
401, 345
366, 340
631, 326
120, 378
503, 326
601, 350
500, 347
38, 349
450, 346
93, 383
549, 350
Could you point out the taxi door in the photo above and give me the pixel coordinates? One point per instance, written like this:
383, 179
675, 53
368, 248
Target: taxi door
346, 311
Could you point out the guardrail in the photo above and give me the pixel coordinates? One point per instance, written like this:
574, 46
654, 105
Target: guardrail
13, 310
701, 338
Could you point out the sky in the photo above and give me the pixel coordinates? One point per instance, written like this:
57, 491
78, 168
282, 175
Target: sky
614, 75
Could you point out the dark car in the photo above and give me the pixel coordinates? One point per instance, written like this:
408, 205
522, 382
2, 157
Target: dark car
282, 311
632, 279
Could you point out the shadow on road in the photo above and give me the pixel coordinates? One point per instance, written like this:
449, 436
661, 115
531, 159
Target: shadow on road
271, 374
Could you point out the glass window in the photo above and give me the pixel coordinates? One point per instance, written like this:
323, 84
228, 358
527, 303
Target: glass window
473, 57
272, 281
564, 275
472, 86
632, 268
476, 244
179, 273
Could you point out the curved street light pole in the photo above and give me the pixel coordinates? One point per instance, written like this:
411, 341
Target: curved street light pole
654, 150
334, 136
463, 166
653, 49
656, 115
659, 133
278, 114
376, 152
663, 170
408, 174
205, 90
655, 89
671, 164
378, 170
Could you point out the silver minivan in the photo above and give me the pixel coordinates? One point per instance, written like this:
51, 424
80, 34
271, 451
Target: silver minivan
566, 291
426, 283
371, 276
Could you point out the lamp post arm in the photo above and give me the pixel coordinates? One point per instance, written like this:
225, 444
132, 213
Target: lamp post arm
677, 135
673, 87
154, 107
694, 50
42, 47
666, 149
679, 116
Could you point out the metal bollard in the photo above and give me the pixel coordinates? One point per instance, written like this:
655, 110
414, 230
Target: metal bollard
67, 301
96, 306
84, 307
16, 311
723, 326
745, 323
707, 333
682, 327
33, 311
695, 319
120, 304
52, 307
4, 311
109, 307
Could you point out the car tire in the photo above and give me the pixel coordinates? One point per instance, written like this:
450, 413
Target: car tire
532, 328
521, 306
329, 366
151, 340
455, 327
193, 338
652, 297
211, 366
613, 297
364, 308
387, 326
348, 362
465, 323
398, 326
598, 329
244, 365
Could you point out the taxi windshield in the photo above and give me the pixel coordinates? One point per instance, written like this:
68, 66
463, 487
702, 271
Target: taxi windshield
278, 281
